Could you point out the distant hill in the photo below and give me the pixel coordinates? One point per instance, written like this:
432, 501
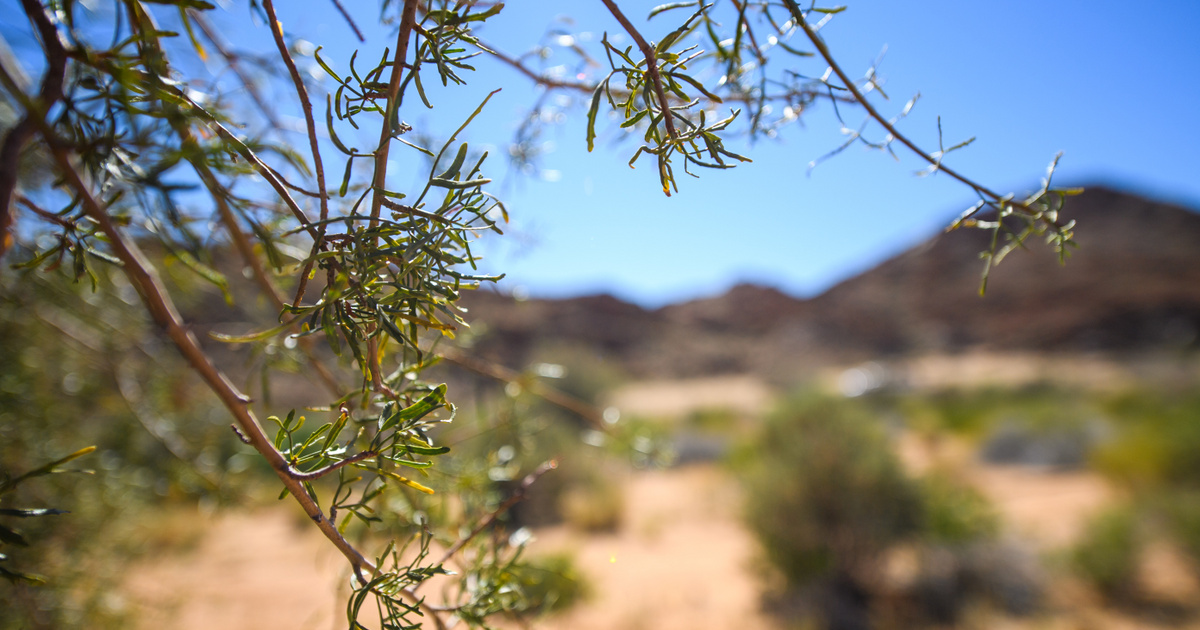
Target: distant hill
1133, 284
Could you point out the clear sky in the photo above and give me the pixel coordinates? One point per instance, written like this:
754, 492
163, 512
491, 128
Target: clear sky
1111, 85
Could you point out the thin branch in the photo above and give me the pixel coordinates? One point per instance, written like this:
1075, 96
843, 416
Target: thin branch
545, 392
220, 196
162, 309
164, 313
819, 43
584, 87
651, 65
408, 19
349, 20
43, 213
321, 472
306, 104
486, 521
540, 79
266, 171
233, 62
21, 133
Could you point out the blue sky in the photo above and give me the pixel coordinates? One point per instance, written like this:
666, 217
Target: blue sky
1112, 87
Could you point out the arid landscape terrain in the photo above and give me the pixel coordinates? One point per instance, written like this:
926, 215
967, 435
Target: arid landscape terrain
1043, 398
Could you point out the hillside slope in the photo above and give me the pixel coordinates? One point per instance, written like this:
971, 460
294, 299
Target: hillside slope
1133, 284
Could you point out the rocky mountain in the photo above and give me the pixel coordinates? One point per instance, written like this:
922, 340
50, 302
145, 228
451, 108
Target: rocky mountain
1134, 283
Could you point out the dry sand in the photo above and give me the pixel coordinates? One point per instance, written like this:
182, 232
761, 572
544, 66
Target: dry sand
680, 560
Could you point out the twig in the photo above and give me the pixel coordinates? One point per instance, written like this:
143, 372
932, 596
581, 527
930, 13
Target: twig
391, 110
232, 60
486, 521
43, 213
21, 133
378, 180
306, 105
162, 309
585, 87
220, 196
819, 43
321, 472
349, 20
164, 313
549, 394
651, 65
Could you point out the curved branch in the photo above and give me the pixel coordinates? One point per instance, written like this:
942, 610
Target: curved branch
819, 43
486, 521
20, 135
164, 313
162, 310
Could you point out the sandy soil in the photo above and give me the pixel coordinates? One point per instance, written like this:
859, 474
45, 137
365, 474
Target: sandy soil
676, 398
680, 560
258, 570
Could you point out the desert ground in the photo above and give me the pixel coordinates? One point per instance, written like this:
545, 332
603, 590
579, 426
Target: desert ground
680, 559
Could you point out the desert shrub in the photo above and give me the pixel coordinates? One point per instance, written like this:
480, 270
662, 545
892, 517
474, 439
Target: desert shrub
152, 139
595, 505
1182, 511
1157, 438
826, 495
953, 513
1107, 554
550, 583
829, 501
714, 421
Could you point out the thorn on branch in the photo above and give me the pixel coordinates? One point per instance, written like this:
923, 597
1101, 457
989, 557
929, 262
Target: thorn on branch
241, 436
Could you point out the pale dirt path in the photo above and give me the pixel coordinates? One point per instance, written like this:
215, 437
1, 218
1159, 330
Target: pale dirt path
260, 570
681, 561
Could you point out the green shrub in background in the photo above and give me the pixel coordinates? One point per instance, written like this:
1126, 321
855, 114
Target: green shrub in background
825, 494
1107, 554
95, 374
953, 513
830, 502
1156, 440
1182, 509
550, 584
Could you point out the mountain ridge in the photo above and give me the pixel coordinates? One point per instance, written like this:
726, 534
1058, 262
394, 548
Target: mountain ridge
1134, 283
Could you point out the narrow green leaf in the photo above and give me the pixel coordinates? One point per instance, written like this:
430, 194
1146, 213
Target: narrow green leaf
456, 165
633, 120
427, 450
696, 84
457, 185
593, 109
667, 7
25, 513
337, 142
213, 276
249, 337
325, 66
